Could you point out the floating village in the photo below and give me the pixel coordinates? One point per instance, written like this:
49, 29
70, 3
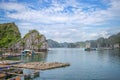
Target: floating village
16, 69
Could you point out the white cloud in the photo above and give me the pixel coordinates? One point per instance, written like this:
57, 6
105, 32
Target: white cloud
12, 6
115, 9
64, 25
53, 14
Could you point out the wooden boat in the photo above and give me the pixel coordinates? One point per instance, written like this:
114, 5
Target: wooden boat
27, 52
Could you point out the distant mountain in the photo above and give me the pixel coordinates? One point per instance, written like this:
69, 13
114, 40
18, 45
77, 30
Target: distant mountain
9, 33
55, 44
111, 42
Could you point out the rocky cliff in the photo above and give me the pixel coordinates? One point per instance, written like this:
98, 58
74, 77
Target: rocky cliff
32, 40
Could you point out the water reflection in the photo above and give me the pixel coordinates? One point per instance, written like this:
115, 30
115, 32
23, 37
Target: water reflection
35, 58
115, 52
42, 56
111, 57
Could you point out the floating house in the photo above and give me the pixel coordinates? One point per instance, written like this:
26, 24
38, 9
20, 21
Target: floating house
88, 47
28, 52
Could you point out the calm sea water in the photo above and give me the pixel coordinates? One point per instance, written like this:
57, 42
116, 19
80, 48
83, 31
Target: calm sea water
93, 65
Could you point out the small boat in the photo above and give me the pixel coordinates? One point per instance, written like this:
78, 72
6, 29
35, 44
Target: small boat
27, 52
90, 49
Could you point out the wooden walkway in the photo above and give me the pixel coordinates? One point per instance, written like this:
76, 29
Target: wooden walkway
42, 65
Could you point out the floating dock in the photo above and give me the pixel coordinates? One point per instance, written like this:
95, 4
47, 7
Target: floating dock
13, 70
9, 62
42, 65
9, 72
10, 55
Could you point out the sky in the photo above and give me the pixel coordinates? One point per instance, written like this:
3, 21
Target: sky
64, 20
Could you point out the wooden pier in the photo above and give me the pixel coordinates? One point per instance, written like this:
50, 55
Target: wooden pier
32, 65
12, 73
42, 65
5, 55
14, 68
9, 62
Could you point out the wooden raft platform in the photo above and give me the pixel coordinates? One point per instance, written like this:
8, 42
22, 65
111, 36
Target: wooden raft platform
11, 54
42, 65
9, 62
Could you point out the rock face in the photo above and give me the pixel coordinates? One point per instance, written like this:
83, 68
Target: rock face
32, 40
9, 33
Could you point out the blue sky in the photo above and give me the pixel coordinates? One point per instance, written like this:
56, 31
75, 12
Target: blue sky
64, 20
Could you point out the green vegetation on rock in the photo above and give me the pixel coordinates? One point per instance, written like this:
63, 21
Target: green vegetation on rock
10, 37
32, 40
9, 34
30, 32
